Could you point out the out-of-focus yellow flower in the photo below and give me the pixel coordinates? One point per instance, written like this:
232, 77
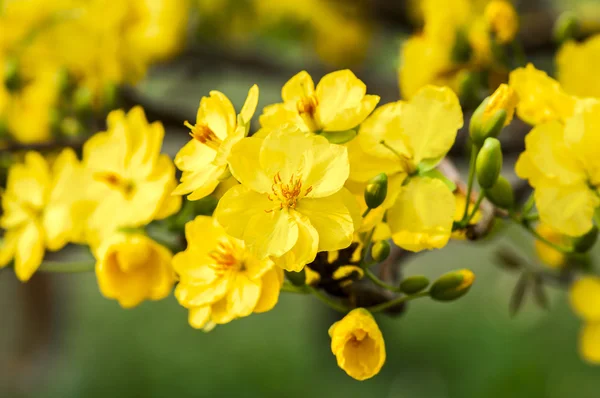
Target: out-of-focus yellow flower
502, 20
203, 159
575, 63
548, 255
358, 344
291, 202
585, 300
128, 177
347, 270
219, 280
561, 162
397, 139
541, 98
312, 277
338, 103
39, 210
132, 268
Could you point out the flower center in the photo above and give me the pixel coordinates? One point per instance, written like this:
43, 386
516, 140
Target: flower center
225, 258
358, 335
287, 194
307, 107
204, 134
115, 181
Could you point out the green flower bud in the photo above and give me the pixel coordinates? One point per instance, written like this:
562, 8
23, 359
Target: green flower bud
501, 194
414, 284
296, 278
461, 51
585, 242
381, 250
489, 163
469, 84
495, 112
376, 190
452, 285
12, 77
566, 27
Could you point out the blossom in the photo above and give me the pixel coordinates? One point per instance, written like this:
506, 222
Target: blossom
338, 103
502, 20
575, 63
219, 279
291, 202
400, 139
358, 344
203, 159
128, 178
132, 268
585, 301
39, 210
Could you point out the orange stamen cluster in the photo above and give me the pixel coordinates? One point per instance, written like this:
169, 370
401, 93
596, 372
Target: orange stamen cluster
224, 257
115, 181
204, 134
286, 194
307, 105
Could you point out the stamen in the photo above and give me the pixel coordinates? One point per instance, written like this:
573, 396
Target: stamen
204, 134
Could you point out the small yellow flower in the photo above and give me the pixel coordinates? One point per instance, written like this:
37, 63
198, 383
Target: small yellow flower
132, 268
502, 19
219, 280
358, 344
346, 271
548, 255
40, 210
585, 300
338, 103
203, 159
541, 98
291, 202
128, 178
504, 98
576, 63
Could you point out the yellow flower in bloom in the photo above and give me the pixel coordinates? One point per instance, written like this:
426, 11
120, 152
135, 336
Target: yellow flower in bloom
358, 344
132, 268
219, 280
203, 159
128, 177
397, 139
502, 20
547, 254
291, 202
575, 63
39, 210
338, 103
585, 300
541, 98
561, 162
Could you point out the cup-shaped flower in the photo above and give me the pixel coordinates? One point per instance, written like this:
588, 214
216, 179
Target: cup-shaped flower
129, 179
338, 103
203, 160
358, 344
585, 300
291, 202
131, 268
219, 279
40, 210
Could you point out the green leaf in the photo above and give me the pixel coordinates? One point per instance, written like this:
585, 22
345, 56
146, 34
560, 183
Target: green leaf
440, 176
339, 137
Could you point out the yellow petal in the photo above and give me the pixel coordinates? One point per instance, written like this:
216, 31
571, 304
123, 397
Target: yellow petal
190, 295
243, 295
271, 234
304, 250
194, 156
575, 63
198, 317
201, 183
299, 86
287, 151
330, 168
364, 166
30, 251
423, 214
217, 113
582, 138
276, 115
57, 226
8, 247
585, 298
245, 167
589, 343
250, 104
272, 281
238, 206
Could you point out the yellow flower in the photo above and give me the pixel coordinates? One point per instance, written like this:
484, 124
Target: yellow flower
128, 178
203, 159
346, 271
39, 210
338, 103
397, 139
541, 99
575, 63
562, 164
132, 268
585, 300
219, 280
291, 202
502, 20
548, 255
358, 344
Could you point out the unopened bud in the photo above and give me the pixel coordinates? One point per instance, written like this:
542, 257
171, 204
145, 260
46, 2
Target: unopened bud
495, 112
296, 278
381, 250
489, 163
376, 190
414, 284
452, 285
585, 242
12, 77
501, 194
566, 27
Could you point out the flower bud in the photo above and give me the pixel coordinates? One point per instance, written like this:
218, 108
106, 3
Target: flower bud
501, 194
296, 278
376, 190
493, 114
502, 20
452, 285
566, 27
381, 250
489, 163
585, 242
12, 77
414, 284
